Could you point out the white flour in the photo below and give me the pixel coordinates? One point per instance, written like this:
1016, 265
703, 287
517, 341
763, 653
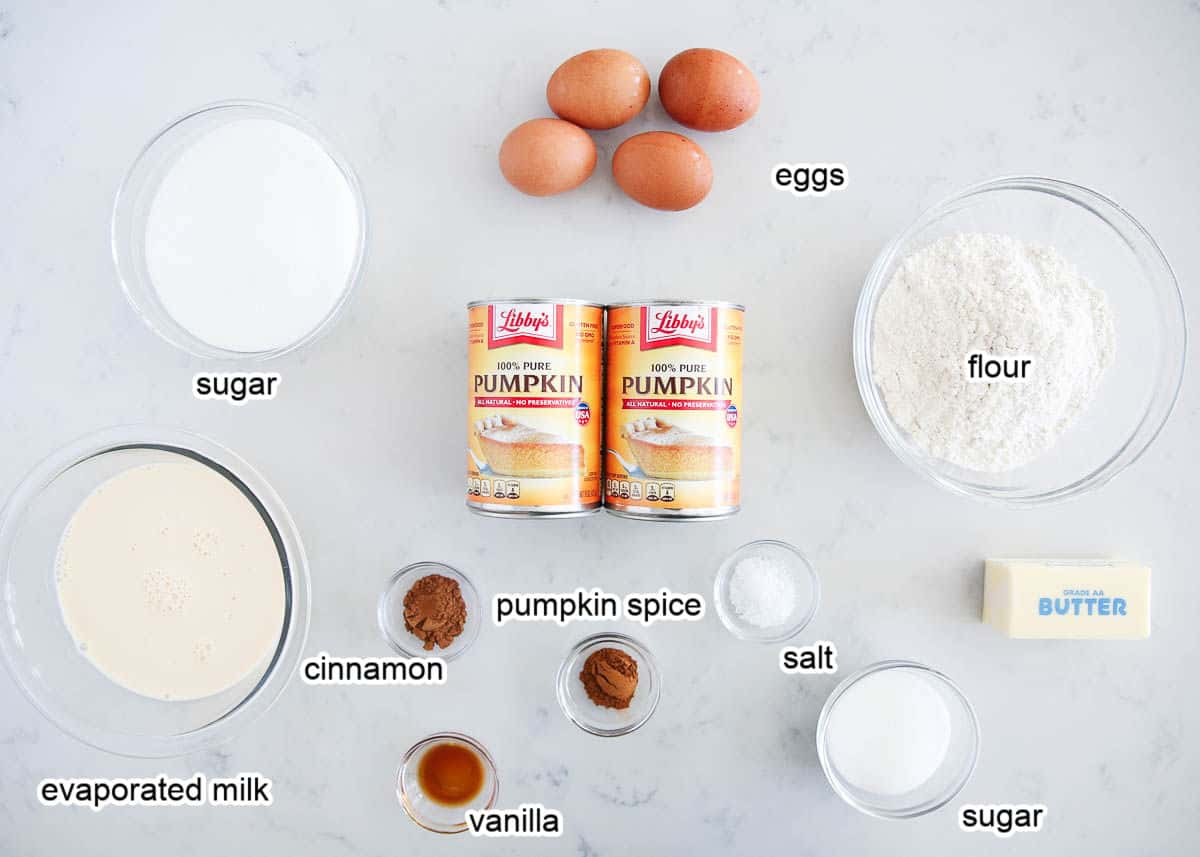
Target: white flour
970, 293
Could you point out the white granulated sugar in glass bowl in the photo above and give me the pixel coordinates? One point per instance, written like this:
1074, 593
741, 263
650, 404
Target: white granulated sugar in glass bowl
239, 232
993, 294
252, 236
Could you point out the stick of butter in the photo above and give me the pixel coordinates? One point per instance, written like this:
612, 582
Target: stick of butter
1067, 599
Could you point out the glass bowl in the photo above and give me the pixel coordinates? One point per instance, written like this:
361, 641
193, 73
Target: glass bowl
40, 652
804, 578
596, 719
390, 612
1139, 389
430, 814
947, 780
131, 211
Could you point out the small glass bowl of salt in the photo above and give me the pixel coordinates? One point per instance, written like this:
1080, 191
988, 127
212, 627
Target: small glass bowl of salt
766, 591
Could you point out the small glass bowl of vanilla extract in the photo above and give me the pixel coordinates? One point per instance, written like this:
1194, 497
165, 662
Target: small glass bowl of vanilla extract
444, 775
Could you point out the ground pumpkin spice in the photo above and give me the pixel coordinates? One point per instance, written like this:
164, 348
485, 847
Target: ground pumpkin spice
434, 610
610, 677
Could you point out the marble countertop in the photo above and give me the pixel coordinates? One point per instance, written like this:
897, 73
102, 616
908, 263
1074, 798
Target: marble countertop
364, 444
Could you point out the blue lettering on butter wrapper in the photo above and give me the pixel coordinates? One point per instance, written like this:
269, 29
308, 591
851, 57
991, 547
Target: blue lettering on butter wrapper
1079, 606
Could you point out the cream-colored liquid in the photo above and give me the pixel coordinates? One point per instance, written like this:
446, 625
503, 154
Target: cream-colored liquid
169, 581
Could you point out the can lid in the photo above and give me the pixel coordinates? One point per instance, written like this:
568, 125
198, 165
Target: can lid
571, 301
681, 302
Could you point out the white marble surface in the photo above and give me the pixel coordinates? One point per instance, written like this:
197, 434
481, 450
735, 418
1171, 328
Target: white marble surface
364, 441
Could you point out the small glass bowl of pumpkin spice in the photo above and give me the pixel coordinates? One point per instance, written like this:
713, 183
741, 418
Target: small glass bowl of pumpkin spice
609, 684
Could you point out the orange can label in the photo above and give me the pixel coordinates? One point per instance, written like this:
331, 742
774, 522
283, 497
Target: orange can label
673, 420
534, 394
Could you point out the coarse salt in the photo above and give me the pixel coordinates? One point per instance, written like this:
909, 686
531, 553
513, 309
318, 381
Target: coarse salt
762, 591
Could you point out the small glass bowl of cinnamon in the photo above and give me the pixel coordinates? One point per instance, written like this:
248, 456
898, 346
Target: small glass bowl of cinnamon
424, 618
444, 775
609, 684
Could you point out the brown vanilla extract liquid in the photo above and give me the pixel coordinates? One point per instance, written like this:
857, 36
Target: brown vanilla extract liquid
450, 774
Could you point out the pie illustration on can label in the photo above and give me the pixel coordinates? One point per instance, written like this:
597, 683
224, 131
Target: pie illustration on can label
666, 451
514, 449
534, 400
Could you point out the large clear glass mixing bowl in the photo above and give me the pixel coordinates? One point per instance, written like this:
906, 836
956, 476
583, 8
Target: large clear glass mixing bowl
1118, 255
39, 650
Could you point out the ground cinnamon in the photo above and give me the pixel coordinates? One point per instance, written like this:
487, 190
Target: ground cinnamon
610, 677
434, 610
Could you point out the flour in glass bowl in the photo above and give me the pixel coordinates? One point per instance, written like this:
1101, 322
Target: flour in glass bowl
992, 294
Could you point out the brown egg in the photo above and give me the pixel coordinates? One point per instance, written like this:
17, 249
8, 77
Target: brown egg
599, 89
547, 156
663, 170
708, 90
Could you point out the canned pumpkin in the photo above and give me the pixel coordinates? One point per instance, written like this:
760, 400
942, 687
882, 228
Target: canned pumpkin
533, 407
673, 409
